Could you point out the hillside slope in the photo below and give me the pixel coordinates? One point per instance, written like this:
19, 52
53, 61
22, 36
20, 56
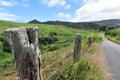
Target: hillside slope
95, 25
57, 45
110, 22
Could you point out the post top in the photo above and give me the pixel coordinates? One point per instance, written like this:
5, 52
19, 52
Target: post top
21, 28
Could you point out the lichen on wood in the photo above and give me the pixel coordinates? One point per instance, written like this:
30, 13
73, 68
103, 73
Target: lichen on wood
24, 45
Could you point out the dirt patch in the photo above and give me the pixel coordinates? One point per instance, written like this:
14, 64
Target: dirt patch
10, 76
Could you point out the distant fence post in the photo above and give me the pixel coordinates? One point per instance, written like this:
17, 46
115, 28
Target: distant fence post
77, 47
89, 42
24, 44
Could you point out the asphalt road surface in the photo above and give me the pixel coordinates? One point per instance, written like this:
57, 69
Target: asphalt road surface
112, 54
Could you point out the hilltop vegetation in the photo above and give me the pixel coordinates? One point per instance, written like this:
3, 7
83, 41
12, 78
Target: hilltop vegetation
80, 25
110, 22
84, 25
34, 21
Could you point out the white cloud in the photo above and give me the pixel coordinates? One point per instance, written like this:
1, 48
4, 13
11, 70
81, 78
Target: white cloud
45, 1
51, 3
10, 3
25, 3
64, 15
8, 17
94, 10
6, 3
1, 9
67, 6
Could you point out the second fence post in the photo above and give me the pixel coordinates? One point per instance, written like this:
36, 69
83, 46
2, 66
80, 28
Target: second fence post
77, 47
89, 42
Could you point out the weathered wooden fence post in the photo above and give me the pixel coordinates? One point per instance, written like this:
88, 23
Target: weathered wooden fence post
77, 47
89, 42
24, 44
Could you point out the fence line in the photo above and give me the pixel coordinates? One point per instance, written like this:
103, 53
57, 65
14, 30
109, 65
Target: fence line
52, 63
26, 48
57, 66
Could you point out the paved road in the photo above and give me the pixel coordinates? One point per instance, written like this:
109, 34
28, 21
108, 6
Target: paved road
112, 53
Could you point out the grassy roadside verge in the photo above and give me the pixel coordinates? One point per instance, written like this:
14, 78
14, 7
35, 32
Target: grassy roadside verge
89, 67
113, 35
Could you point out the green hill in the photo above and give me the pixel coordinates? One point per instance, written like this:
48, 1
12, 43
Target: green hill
56, 43
80, 25
95, 25
110, 21
46, 31
34, 21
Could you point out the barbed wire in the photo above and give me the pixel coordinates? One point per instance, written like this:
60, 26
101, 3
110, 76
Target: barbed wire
58, 66
58, 36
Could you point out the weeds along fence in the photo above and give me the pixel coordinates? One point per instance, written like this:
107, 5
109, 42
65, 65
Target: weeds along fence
57, 52
57, 60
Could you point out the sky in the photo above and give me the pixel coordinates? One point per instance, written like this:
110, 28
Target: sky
63, 10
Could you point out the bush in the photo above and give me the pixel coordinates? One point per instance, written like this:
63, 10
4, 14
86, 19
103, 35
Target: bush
82, 70
113, 33
5, 58
49, 39
52, 34
53, 47
1, 45
75, 71
5, 43
1, 38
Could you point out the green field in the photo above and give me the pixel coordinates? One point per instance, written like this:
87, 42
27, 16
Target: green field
56, 45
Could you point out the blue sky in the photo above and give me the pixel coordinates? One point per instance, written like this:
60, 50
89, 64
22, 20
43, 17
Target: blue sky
64, 10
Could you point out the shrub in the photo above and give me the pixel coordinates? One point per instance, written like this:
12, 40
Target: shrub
52, 34
53, 47
49, 39
82, 70
1, 45
5, 43
75, 71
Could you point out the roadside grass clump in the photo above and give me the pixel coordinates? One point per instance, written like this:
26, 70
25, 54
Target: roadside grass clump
82, 70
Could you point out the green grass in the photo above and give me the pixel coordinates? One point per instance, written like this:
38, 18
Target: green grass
5, 58
57, 52
45, 30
